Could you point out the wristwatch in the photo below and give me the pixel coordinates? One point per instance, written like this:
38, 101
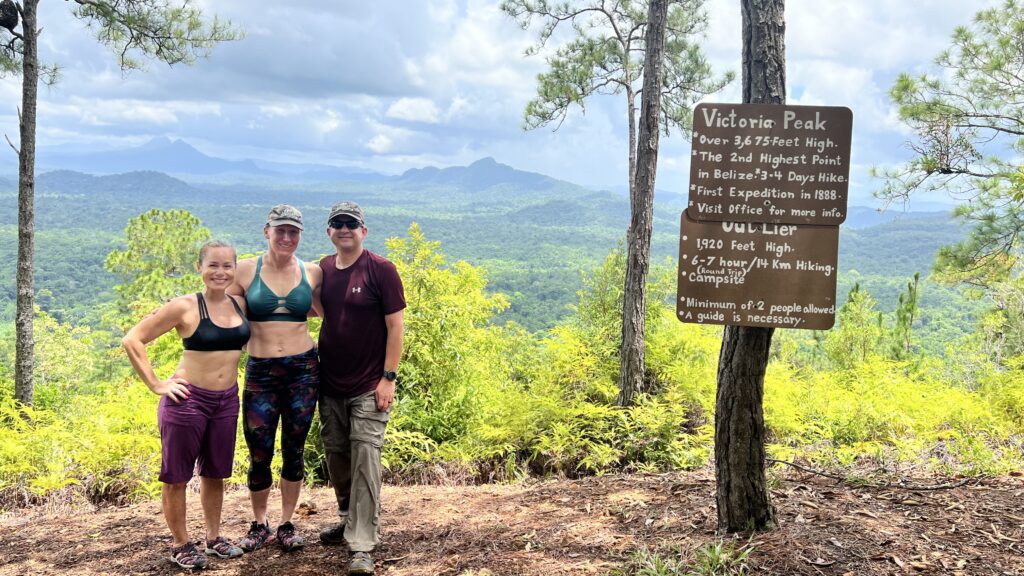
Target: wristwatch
390, 375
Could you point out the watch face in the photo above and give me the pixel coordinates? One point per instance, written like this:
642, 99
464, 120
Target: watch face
390, 375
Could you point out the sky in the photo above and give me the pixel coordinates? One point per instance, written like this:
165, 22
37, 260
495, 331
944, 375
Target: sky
390, 85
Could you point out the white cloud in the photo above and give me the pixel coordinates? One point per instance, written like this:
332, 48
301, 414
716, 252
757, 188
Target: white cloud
458, 104
442, 11
281, 110
329, 121
485, 49
380, 144
94, 112
414, 110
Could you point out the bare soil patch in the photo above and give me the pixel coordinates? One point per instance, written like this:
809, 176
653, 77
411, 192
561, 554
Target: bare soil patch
587, 526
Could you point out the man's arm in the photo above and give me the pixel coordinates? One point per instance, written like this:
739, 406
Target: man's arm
395, 324
315, 277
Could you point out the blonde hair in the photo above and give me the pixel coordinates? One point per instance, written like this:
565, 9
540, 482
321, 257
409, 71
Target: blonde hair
210, 244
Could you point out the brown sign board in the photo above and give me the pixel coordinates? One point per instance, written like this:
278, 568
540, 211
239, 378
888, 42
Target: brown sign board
757, 274
770, 163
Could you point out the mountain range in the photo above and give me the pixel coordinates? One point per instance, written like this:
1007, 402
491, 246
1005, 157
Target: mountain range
534, 233
180, 158
176, 168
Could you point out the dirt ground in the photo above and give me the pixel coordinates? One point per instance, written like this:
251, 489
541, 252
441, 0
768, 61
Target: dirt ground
588, 526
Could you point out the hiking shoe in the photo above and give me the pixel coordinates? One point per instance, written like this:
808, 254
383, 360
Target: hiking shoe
189, 557
221, 548
259, 534
288, 538
333, 534
360, 563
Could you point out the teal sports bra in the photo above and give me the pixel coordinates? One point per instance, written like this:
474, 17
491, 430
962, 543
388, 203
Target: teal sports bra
263, 302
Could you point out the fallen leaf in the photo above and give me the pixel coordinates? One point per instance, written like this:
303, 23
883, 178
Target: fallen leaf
866, 513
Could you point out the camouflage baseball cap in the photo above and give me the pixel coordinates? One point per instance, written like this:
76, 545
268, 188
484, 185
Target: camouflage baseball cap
346, 209
283, 214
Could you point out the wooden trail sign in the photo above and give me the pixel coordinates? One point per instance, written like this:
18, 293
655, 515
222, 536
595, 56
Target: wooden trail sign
770, 163
757, 274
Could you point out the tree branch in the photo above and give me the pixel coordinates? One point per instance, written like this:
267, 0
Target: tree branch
902, 485
11, 144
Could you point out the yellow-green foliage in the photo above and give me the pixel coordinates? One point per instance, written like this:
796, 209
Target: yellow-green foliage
106, 443
497, 402
445, 323
552, 410
1004, 390
880, 406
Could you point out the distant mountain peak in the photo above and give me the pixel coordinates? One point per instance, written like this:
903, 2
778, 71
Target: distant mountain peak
157, 143
166, 144
480, 175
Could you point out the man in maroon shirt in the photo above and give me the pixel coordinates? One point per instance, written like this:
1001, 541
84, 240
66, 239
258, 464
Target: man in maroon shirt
361, 301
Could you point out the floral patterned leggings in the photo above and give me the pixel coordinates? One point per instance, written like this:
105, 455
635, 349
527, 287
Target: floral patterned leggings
276, 389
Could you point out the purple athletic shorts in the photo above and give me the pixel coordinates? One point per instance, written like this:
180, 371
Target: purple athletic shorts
201, 427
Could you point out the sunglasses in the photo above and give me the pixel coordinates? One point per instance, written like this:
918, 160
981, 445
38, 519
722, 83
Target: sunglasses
350, 224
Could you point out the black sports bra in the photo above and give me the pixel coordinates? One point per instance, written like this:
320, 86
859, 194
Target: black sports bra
209, 337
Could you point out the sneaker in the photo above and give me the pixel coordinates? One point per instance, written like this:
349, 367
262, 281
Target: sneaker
189, 557
360, 563
334, 534
221, 548
288, 538
259, 534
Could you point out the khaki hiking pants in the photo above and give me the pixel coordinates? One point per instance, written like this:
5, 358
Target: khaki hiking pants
353, 432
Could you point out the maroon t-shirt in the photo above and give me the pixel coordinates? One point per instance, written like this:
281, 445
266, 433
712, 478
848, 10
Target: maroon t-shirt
353, 338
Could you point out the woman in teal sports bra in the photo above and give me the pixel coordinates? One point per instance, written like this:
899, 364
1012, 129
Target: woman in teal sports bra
282, 373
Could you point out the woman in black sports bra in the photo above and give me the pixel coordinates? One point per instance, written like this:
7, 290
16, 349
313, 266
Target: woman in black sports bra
198, 409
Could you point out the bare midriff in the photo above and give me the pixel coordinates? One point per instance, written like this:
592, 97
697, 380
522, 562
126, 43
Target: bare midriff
279, 339
215, 371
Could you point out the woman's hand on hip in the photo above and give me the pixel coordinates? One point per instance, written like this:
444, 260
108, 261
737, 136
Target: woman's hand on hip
174, 388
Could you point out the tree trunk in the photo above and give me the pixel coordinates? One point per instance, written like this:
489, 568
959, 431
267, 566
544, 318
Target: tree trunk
25, 342
638, 256
631, 115
744, 502
764, 51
